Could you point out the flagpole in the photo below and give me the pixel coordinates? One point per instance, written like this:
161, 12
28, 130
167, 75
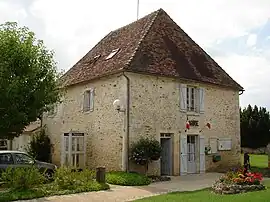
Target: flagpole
138, 4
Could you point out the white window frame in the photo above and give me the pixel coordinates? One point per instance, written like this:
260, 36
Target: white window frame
70, 152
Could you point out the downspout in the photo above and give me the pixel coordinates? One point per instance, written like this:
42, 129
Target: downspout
125, 148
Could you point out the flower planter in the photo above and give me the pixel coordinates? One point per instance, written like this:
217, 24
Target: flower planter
223, 188
238, 181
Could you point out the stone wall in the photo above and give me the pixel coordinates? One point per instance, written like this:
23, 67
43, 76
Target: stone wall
103, 127
155, 109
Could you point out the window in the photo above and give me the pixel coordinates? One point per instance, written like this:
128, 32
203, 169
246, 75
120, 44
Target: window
23, 159
191, 99
74, 150
6, 159
88, 100
112, 53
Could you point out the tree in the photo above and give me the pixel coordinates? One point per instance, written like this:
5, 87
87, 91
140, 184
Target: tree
40, 146
28, 79
255, 127
145, 151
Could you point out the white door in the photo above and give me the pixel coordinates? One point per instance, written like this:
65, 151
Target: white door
191, 153
183, 155
73, 152
202, 154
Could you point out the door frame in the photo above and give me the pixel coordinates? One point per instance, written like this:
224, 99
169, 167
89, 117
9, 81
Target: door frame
170, 137
197, 154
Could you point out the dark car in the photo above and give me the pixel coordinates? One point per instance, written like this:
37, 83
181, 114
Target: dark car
16, 159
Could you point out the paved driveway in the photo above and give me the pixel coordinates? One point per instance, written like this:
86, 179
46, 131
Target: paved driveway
123, 194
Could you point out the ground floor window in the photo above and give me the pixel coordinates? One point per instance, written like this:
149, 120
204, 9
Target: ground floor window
73, 152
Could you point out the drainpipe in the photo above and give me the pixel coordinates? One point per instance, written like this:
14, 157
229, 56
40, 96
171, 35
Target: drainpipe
125, 148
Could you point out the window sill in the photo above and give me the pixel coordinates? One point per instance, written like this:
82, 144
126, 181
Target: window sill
87, 112
190, 113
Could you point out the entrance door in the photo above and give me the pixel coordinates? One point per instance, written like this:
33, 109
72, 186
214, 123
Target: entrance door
166, 156
191, 153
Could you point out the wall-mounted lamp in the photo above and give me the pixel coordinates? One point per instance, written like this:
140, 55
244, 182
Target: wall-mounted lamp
118, 106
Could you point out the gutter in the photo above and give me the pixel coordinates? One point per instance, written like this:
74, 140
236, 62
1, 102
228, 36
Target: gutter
241, 92
125, 147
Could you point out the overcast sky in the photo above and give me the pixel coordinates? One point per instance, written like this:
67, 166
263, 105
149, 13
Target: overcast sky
236, 33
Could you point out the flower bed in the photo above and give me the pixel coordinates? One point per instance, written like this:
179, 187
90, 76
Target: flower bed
235, 182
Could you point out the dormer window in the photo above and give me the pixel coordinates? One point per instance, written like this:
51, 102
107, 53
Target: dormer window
113, 53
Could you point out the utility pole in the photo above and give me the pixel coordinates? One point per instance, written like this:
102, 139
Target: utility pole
138, 5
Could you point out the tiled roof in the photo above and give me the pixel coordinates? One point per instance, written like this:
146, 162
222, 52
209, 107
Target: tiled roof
154, 44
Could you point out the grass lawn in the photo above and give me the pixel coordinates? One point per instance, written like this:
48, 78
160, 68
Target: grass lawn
259, 161
207, 196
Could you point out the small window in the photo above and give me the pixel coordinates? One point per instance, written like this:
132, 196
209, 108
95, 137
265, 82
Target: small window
88, 100
191, 99
112, 53
6, 159
23, 159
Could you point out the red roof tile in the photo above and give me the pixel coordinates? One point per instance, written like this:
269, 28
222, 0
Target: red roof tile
154, 44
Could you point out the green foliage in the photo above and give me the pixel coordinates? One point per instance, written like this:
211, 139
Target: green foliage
127, 179
51, 189
145, 151
40, 146
255, 127
66, 178
28, 79
22, 178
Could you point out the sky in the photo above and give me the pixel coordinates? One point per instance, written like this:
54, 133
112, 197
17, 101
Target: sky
235, 33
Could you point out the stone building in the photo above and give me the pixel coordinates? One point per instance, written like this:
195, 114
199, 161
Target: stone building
162, 85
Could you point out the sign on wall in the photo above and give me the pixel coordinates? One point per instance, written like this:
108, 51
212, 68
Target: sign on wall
224, 144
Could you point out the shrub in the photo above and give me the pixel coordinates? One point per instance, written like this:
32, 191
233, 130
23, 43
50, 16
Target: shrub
22, 178
40, 147
145, 151
127, 179
66, 178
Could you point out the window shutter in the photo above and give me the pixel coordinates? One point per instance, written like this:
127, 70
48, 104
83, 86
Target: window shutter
183, 154
91, 100
202, 154
183, 97
201, 99
86, 101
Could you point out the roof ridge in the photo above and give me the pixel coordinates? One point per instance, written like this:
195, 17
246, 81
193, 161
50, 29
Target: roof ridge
143, 37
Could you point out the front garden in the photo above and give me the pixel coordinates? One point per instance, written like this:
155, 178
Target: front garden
29, 183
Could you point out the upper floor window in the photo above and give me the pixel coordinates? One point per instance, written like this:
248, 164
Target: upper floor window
88, 100
191, 98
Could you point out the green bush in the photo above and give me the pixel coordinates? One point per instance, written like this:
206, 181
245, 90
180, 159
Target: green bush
127, 179
145, 151
22, 178
40, 146
66, 178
